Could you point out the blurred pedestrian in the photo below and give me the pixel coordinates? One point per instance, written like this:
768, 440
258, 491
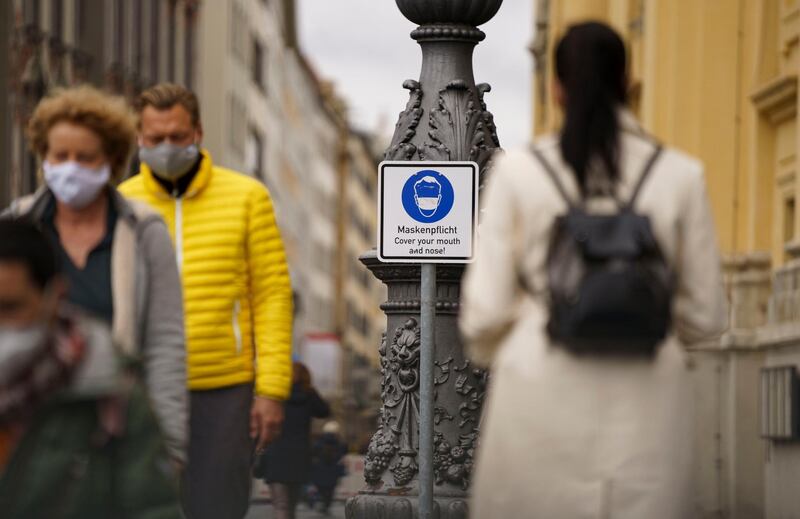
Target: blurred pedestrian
237, 295
327, 467
115, 254
286, 464
77, 437
573, 427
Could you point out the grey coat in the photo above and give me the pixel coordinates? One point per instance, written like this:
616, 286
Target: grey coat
148, 306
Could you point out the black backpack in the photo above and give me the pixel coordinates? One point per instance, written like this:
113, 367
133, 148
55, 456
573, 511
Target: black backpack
610, 286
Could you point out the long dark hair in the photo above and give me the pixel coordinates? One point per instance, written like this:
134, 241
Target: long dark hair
591, 67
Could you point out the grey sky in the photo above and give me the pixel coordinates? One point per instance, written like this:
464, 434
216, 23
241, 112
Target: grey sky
364, 47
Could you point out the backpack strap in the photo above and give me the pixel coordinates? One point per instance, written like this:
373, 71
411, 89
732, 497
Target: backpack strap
645, 174
553, 176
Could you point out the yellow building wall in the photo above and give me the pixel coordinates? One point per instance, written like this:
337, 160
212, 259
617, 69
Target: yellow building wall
719, 79
700, 72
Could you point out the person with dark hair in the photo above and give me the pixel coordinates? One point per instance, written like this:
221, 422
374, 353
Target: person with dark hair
77, 437
590, 409
286, 463
326, 465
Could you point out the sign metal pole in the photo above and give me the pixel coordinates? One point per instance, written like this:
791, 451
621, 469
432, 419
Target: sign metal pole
426, 387
427, 211
428, 215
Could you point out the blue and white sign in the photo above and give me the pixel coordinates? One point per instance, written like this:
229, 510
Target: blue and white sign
427, 212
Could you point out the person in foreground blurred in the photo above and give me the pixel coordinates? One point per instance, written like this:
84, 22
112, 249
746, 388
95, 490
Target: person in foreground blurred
115, 254
596, 433
286, 464
237, 293
77, 437
327, 467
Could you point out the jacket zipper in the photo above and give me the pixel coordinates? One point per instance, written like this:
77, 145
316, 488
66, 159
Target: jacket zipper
237, 332
178, 230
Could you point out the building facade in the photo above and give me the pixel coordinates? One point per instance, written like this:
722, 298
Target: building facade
268, 113
265, 112
718, 79
120, 45
360, 318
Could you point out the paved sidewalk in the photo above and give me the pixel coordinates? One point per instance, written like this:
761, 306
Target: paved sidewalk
264, 511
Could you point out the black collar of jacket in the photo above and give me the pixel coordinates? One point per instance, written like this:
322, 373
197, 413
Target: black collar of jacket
179, 186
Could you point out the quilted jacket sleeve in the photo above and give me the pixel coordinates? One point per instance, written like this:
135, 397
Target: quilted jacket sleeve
271, 295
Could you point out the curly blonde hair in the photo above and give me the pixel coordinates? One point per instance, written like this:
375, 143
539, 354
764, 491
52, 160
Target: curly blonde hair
107, 116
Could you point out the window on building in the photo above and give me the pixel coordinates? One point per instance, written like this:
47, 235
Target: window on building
321, 260
87, 37
155, 40
636, 21
31, 12
78, 16
57, 18
171, 35
349, 309
788, 220
188, 44
355, 320
779, 410
119, 31
364, 328
355, 223
238, 32
257, 64
238, 124
138, 39
254, 153
371, 188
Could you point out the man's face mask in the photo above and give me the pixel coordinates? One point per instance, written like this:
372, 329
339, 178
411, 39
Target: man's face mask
169, 161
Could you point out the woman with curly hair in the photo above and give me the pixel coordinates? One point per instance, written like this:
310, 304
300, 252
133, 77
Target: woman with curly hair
116, 255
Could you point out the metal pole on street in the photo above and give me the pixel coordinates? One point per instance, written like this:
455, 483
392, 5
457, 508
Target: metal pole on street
420, 459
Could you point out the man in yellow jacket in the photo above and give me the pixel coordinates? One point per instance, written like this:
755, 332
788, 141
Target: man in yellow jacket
238, 299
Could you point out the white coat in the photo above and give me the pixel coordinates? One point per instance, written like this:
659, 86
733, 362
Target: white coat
565, 437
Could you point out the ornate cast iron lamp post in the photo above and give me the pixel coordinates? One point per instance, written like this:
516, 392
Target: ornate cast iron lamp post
445, 119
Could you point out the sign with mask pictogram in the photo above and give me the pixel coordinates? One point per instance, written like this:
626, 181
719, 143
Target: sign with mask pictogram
427, 211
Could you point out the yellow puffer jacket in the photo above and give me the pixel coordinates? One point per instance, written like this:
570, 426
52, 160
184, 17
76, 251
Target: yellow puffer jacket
237, 294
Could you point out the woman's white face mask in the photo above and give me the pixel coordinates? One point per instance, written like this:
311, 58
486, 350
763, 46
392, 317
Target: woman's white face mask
74, 184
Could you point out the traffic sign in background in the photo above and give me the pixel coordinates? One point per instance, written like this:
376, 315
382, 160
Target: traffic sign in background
427, 211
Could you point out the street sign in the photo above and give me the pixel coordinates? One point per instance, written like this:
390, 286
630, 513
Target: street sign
427, 212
